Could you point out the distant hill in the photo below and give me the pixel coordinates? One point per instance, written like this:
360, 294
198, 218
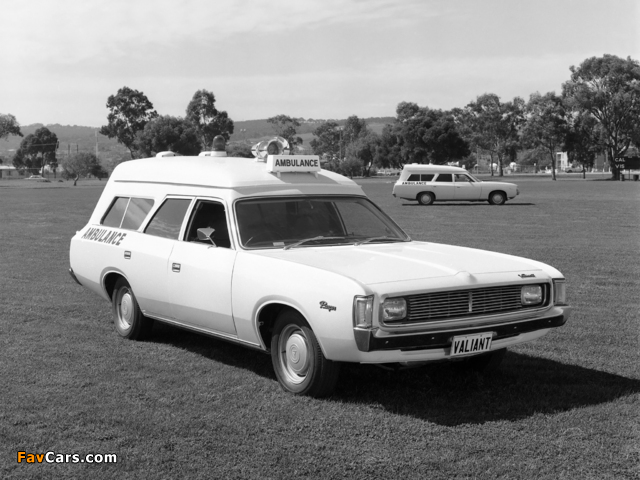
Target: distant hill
75, 138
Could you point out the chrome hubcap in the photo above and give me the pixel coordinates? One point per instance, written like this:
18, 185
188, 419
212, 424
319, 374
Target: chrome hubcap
294, 354
125, 310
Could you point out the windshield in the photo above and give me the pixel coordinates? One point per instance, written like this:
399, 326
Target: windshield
311, 221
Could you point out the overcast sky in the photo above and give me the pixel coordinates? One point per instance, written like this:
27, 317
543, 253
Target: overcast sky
61, 59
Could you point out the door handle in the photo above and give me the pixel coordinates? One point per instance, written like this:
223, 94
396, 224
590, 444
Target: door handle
175, 267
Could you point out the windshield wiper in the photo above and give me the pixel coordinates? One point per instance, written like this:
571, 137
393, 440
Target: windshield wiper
374, 239
305, 240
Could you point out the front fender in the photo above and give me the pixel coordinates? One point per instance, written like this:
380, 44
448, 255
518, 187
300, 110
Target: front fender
324, 299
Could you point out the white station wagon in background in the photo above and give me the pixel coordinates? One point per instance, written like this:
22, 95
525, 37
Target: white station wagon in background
441, 183
278, 255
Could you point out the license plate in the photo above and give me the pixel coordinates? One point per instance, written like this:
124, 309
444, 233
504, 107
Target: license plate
470, 344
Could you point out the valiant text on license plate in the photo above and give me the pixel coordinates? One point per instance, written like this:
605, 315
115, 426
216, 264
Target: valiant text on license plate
468, 344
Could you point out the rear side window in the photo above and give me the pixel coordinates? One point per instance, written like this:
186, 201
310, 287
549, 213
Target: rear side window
444, 177
168, 219
422, 177
136, 213
127, 212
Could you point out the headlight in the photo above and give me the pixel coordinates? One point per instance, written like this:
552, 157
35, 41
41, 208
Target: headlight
394, 309
559, 292
531, 295
362, 311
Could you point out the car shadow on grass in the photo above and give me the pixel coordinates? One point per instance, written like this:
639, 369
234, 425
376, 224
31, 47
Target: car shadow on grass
521, 387
440, 393
467, 204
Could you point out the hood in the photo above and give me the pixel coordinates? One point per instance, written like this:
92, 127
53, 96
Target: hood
370, 264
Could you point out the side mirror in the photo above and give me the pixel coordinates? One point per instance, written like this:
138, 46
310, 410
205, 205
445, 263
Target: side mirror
205, 234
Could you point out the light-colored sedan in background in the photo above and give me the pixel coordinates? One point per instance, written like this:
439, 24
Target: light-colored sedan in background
430, 183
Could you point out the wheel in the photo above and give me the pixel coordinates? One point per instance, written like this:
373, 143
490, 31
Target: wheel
297, 358
497, 198
426, 198
128, 318
483, 363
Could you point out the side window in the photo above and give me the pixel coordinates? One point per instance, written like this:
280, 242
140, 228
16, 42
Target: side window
462, 178
444, 177
168, 219
414, 177
427, 177
114, 215
136, 213
212, 215
127, 213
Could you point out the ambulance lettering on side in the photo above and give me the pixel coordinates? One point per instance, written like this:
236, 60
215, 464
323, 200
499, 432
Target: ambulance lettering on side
278, 255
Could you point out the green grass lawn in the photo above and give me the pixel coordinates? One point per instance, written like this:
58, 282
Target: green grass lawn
187, 406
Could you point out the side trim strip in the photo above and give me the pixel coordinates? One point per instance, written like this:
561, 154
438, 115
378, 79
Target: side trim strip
210, 333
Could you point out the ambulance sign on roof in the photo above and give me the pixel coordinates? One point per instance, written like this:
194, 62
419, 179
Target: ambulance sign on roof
293, 163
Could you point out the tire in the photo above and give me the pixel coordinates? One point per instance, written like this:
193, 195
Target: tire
487, 362
497, 198
128, 318
297, 358
426, 198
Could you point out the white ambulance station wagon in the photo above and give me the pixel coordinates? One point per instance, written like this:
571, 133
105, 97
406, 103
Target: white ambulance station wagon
442, 183
281, 256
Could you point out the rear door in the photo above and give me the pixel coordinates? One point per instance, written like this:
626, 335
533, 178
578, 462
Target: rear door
443, 187
147, 256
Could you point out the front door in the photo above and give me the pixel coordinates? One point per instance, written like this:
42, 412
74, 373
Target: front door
200, 273
466, 188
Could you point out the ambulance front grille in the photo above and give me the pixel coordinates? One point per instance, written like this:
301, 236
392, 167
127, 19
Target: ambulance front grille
426, 307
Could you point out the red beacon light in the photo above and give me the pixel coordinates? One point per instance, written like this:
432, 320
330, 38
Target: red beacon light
219, 149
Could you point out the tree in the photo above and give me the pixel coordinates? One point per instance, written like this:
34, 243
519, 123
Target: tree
426, 135
80, 165
365, 148
583, 141
493, 126
167, 133
36, 151
411, 121
9, 126
546, 125
390, 152
353, 129
608, 88
443, 140
129, 112
207, 120
327, 141
351, 167
285, 127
